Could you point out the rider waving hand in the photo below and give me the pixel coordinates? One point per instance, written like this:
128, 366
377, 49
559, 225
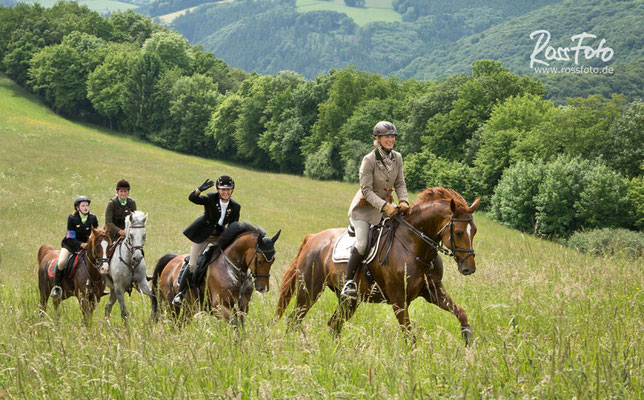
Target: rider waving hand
381, 172
219, 211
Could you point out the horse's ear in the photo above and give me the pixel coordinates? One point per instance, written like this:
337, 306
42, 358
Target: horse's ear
277, 235
452, 206
145, 218
106, 227
475, 205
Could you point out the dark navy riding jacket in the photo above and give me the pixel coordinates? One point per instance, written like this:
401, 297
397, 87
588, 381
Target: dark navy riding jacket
77, 231
208, 224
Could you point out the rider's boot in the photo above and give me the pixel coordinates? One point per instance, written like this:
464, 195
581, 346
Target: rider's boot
57, 290
350, 289
183, 286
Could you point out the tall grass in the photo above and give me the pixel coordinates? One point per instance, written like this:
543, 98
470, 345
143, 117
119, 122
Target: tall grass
549, 322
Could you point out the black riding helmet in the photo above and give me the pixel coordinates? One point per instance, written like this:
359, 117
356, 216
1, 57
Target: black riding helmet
225, 182
81, 199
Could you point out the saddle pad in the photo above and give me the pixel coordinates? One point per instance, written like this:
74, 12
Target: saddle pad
50, 270
344, 244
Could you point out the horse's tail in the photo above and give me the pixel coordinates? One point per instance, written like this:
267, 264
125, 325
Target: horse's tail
158, 269
289, 281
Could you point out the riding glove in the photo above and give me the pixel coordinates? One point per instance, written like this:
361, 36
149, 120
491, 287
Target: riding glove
403, 206
390, 209
208, 183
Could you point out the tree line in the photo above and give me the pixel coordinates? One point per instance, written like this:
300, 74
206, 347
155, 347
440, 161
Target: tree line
539, 166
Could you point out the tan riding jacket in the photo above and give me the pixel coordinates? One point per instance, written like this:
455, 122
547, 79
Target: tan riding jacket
376, 186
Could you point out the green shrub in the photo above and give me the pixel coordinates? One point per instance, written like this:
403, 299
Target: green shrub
635, 198
323, 164
608, 241
513, 202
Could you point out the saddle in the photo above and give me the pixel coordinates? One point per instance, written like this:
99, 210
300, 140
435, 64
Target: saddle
202, 265
70, 267
344, 244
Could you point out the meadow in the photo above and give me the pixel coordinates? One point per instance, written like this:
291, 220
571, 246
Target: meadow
549, 322
374, 10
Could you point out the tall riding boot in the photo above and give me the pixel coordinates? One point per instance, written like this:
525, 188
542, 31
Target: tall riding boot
183, 286
350, 289
57, 290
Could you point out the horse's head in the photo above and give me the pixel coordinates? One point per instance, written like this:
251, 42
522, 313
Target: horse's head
263, 258
135, 234
458, 235
97, 244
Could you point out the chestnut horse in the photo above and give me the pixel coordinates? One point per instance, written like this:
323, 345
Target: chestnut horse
246, 260
87, 283
406, 266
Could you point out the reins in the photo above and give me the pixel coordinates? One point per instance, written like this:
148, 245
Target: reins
129, 247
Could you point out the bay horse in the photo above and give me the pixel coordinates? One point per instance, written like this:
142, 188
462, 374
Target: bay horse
87, 283
127, 265
412, 267
245, 262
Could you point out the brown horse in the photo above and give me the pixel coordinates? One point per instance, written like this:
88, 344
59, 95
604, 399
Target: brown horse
87, 283
247, 258
411, 266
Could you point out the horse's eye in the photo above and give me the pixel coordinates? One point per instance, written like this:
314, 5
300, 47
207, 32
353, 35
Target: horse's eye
459, 233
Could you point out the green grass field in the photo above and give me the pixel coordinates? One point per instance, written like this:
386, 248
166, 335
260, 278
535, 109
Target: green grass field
549, 322
100, 6
374, 10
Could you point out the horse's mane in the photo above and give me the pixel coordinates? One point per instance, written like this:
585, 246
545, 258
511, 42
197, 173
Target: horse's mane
440, 193
138, 215
233, 231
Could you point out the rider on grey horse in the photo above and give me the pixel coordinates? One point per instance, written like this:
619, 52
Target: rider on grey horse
219, 211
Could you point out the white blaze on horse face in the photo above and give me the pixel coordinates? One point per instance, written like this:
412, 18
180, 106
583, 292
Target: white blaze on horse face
105, 266
469, 232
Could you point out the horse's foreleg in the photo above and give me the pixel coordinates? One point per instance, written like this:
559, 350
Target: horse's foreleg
110, 304
120, 296
440, 297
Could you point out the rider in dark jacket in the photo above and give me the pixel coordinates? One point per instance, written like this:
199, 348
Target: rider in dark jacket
118, 208
79, 228
219, 211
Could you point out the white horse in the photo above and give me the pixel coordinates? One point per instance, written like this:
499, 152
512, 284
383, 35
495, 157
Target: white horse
127, 265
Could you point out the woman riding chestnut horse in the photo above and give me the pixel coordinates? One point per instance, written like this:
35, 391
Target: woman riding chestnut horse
406, 265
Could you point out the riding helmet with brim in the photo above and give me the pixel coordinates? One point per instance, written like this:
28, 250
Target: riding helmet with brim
384, 128
81, 199
225, 182
123, 184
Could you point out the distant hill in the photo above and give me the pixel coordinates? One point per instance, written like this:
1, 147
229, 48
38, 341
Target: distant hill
434, 38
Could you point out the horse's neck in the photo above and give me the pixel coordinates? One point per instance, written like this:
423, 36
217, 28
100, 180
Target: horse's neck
237, 251
90, 262
430, 219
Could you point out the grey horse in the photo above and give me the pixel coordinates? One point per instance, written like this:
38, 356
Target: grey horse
127, 265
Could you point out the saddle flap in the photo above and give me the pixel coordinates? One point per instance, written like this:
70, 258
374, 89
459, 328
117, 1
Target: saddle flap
346, 241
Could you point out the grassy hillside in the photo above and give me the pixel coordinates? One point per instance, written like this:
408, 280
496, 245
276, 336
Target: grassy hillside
374, 10
549, 322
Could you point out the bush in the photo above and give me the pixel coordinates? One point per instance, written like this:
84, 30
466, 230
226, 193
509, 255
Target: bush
323, 164
635, 198
607, 241
513, 202
424, 170
352, 157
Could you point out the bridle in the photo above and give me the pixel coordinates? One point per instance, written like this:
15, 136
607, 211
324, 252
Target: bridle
97, 260
128, 245
253, 273
439, 246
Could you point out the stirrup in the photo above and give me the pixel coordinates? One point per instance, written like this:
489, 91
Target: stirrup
350, 290
178, 299
56, 291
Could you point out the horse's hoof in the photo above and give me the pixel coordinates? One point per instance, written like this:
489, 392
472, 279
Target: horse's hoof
468, 334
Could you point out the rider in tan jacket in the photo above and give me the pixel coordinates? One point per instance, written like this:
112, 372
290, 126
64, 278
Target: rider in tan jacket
381, 172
